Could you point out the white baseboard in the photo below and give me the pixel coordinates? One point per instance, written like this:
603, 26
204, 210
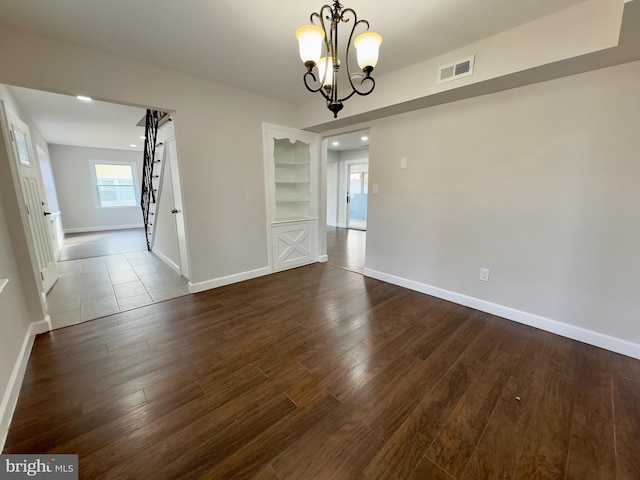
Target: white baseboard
174, 266
10, 397
323, 258
221, 281
103, 229
580, 334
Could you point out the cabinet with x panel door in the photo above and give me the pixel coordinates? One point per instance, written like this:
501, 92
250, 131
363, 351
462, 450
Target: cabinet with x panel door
291, 173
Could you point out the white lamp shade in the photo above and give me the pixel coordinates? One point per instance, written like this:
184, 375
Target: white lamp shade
310, 39
325, 76
367, 45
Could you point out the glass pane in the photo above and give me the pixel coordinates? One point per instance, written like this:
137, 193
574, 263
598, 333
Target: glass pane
127, 195
23, 149
358, 190
114, 171
115, 185
355, 183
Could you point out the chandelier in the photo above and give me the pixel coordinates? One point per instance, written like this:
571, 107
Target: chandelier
322, 71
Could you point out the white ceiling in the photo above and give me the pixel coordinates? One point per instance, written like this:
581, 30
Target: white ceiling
249, 44
349, 141
65, 120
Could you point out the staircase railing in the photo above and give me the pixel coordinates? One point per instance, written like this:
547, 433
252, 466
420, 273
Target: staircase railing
148, 197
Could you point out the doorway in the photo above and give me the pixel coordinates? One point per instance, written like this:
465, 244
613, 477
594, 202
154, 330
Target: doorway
104, 267
110, 272
357, 195
347, 199
77, 246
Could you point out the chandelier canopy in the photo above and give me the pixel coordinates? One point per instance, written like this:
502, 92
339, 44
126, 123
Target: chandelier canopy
321, 37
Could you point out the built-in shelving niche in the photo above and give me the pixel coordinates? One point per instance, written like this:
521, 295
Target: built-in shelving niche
290, 183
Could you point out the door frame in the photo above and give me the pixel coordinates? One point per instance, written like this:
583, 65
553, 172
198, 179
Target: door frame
15, 179
347, 175
167, 134
171, 151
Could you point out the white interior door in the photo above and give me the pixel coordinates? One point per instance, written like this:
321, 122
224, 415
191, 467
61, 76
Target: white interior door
172, 152
33, 198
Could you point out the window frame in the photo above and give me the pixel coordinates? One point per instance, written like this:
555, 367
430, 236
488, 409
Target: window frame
96, 190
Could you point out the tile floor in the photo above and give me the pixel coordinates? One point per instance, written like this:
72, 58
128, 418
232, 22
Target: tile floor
90, 288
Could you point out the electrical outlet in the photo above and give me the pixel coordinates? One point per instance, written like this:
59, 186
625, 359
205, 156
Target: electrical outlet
484, 274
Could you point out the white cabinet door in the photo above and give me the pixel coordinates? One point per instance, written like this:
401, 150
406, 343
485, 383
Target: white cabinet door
293, 244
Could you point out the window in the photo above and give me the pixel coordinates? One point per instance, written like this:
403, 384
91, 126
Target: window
115, 184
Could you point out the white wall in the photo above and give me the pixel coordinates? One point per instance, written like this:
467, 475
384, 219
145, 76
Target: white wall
20, 305
587, 27
57, 230
218, 130
332, 188
47, 178
540, 184
76, 193
14, 320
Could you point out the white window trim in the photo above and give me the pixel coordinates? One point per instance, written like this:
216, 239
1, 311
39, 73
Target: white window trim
94, 180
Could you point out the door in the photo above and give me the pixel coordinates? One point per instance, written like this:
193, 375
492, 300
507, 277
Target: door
33, 198
177, 211
293, 244
357, 195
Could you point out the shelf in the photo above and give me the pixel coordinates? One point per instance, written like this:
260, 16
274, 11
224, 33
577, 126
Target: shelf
291, 164
291, 190
292, 219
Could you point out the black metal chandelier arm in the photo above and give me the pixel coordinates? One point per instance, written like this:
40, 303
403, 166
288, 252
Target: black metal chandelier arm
362, 93
305, 78
318, 18
343, 17
312, 89
356, 23
328, 19
325, 12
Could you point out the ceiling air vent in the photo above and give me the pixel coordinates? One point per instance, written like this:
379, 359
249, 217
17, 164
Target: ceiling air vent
459, 69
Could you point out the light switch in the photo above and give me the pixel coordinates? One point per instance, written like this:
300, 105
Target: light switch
484, 274
403, 162
374, 188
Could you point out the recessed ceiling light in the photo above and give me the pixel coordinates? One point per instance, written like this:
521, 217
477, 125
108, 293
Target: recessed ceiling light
133, 145
364, 138
84, 99
335, 144
143, 137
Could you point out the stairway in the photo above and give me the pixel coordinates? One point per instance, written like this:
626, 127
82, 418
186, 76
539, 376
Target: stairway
151, 171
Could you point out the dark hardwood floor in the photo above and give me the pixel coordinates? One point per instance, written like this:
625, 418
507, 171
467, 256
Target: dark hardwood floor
97, 244
321, 373
346, 248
